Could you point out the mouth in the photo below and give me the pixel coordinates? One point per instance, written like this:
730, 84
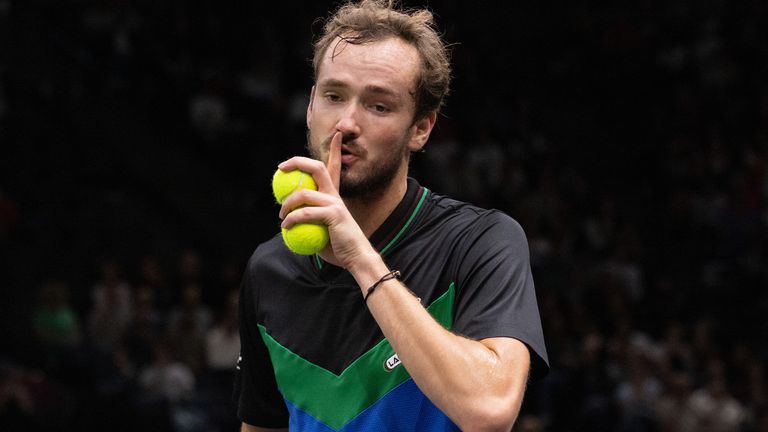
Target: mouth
348, 156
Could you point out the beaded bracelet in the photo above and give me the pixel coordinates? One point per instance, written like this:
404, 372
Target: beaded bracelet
394, 274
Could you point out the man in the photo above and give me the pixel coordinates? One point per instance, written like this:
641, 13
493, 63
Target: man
421, 313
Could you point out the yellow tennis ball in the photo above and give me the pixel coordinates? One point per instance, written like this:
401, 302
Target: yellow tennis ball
303, 238
306, 238
283, 183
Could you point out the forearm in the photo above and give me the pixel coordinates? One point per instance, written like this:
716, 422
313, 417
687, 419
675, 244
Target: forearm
463, 377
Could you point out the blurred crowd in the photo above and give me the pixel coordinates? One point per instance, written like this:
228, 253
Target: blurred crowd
630, 141
153, 351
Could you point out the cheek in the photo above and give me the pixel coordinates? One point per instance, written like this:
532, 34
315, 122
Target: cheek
388, 146
395, 136
314, 146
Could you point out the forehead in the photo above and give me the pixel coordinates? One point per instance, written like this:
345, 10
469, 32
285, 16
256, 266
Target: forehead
390, 63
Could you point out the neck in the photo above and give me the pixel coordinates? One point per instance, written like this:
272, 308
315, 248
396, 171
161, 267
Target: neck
371, 213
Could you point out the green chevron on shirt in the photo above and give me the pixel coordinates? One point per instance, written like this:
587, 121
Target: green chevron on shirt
337, 399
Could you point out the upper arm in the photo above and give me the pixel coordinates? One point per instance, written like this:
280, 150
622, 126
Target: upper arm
496, 295
249, 428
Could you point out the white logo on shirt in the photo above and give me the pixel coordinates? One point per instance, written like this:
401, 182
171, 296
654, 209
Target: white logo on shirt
392, 363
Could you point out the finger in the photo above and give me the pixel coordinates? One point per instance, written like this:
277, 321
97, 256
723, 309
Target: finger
305, 197
315, 168
334, 160
310, 214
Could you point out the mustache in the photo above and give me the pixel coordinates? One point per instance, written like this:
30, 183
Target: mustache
348, 143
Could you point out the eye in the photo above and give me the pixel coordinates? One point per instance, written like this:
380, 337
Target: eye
332, 97
379, 108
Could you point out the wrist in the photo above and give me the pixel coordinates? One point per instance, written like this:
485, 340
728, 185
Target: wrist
394, 274
367, 269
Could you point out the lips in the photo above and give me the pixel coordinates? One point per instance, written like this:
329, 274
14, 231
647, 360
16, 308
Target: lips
347, 156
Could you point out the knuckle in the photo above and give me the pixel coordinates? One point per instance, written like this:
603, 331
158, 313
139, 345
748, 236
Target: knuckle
338, 210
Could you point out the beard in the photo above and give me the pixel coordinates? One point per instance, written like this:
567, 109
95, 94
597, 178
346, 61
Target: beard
373, 180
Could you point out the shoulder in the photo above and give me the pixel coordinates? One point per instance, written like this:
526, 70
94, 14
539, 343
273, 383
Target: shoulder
270, 256
441, 204
273, 264
268, 248
459, 217
270, 261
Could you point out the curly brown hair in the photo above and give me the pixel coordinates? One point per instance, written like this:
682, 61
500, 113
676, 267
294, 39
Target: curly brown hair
375, 20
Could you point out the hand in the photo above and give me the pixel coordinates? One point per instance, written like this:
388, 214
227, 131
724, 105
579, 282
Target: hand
347, 240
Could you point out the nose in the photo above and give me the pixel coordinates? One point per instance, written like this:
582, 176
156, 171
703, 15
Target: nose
349, 122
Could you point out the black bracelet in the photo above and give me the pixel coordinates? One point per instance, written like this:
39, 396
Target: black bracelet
394, 274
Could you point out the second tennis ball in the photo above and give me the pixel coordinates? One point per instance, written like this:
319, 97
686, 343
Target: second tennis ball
302, 238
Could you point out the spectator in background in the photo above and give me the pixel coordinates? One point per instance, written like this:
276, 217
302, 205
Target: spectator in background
222, 341
145, 328
676, 350
187, 342
713, 409
166, 377
638, 392
111, 310
672, 407
151, 274
55, 322
230, 272
164, 385
222, 347
186, 329
191, 308
190, 267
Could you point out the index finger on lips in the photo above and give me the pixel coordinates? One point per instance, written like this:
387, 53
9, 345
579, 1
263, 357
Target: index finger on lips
334, 159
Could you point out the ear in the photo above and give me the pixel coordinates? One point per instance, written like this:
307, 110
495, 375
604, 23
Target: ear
421, 130
309, 106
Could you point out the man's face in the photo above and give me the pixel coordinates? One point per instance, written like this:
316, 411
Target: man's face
365, 92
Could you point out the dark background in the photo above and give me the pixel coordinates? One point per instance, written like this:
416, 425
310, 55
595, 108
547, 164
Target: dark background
629, 140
